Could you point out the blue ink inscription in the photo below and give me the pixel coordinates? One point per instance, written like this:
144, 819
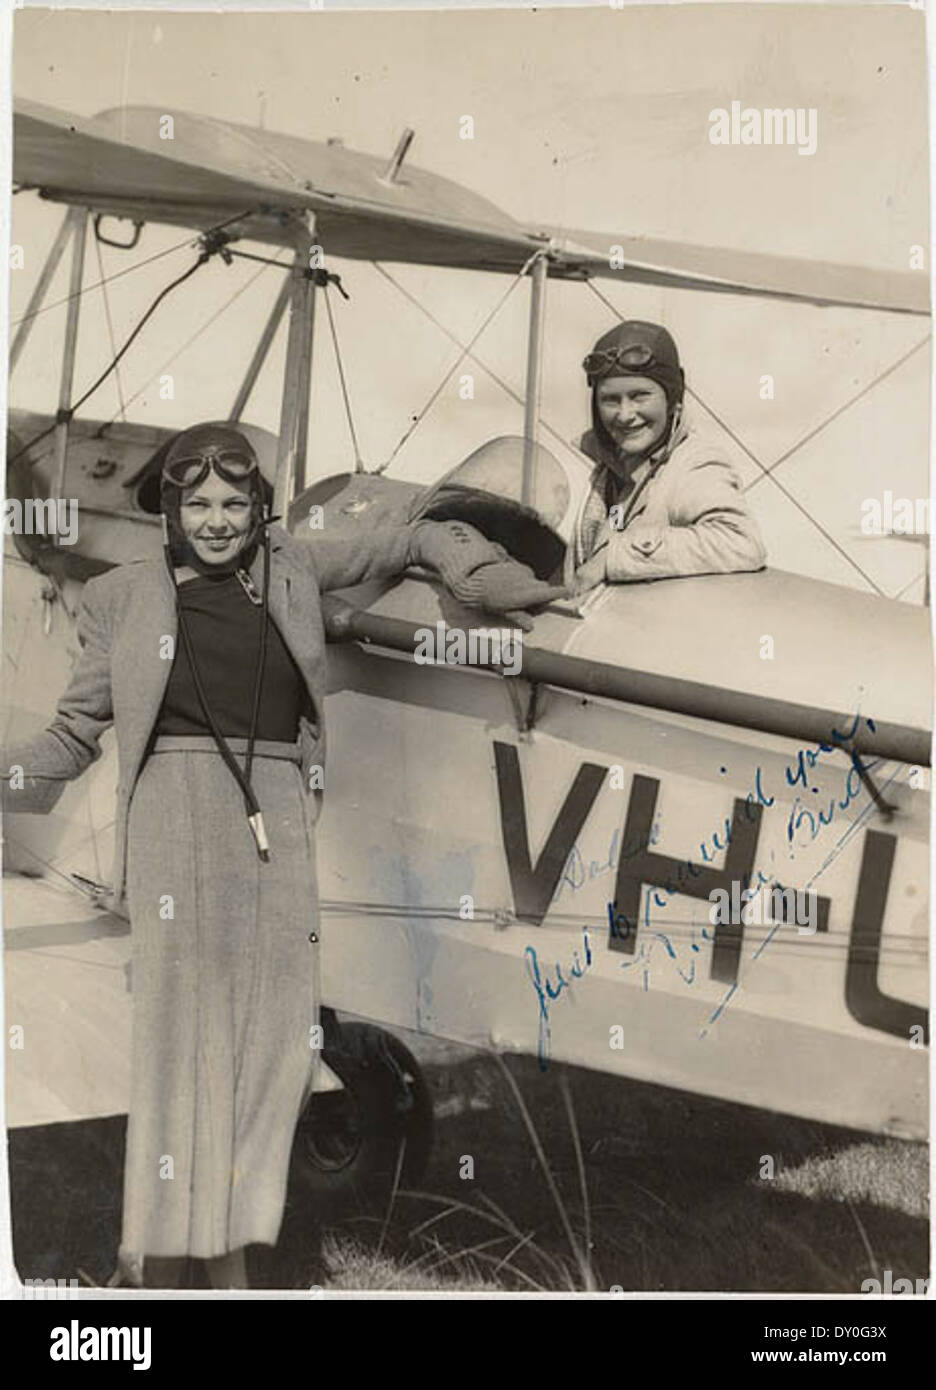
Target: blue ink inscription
548, 990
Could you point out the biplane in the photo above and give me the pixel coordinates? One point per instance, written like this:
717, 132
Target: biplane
515, 862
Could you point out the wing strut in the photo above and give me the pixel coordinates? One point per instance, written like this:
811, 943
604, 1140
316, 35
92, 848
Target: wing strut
46, 275
538, 272
261, 350
297, 377
74, 230
79, 227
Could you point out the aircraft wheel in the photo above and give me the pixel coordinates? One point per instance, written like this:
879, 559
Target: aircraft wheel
348, 1143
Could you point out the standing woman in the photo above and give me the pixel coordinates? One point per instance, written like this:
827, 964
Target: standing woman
210, 663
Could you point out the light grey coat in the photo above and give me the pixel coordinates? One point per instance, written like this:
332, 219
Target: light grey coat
686, 515
125, 618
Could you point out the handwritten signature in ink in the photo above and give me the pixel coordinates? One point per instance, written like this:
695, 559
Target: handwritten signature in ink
811, 820
575, 875
645, 950
550, 987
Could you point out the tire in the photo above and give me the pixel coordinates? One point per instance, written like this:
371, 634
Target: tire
350, 1143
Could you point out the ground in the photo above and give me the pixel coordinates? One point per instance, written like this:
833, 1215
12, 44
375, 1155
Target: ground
676, 1199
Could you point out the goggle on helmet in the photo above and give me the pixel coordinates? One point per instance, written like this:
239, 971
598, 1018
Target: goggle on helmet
190, 469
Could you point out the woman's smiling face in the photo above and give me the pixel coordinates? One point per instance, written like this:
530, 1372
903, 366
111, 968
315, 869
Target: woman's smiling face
215, 518
633, 410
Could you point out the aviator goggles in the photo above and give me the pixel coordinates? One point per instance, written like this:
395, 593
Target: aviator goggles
233, 465
599, 363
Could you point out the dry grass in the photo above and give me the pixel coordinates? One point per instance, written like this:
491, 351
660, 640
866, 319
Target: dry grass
580, 1181
887, 1174
354, 1266
648, 1189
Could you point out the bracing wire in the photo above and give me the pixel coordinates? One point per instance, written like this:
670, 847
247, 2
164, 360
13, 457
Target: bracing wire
358, 461
846, 405
505, 386
112, 365
87, 289
110, 328
213, 318
204, 256
48, 863
465, 352
682, 930
768, 472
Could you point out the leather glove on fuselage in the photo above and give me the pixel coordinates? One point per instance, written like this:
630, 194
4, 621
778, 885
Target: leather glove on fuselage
478, 572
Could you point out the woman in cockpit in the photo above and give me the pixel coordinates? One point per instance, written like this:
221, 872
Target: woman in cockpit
662, 501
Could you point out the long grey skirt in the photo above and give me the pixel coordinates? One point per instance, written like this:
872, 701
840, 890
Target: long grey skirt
225, 982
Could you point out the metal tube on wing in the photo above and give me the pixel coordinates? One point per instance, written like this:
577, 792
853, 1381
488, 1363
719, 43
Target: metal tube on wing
806, 723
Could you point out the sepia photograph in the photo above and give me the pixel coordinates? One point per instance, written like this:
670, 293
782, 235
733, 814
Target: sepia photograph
467, 657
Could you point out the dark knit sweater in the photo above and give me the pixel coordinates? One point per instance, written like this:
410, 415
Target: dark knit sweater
225, 629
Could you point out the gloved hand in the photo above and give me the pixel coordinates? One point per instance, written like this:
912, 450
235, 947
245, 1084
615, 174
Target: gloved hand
454, 550
480, 573
509, 588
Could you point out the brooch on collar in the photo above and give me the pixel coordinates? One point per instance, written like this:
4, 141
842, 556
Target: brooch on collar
249, 587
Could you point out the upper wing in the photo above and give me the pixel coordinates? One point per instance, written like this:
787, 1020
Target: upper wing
199, 171
653, 261
208, 170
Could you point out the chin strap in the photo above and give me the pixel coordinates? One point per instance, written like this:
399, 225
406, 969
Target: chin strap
261, 666
254, 814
